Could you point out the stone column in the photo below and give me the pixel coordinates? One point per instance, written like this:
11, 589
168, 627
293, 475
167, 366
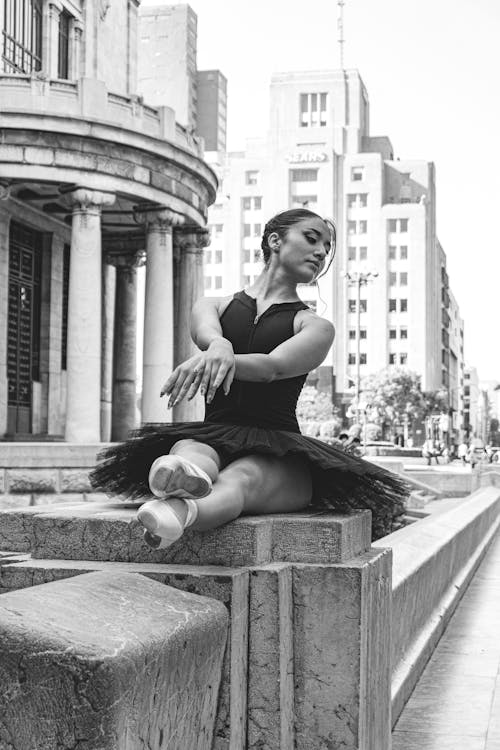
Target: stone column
124, 350
108, 324
55, 423
4, 310
84, 317
188, 247
75, 50
158, 310
51, 37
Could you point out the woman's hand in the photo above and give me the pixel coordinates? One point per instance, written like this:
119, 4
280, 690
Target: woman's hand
205, 372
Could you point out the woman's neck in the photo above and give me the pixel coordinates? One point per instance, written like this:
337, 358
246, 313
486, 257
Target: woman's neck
271, 285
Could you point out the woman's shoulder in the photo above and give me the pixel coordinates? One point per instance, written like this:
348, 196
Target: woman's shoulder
308, 318
219, 304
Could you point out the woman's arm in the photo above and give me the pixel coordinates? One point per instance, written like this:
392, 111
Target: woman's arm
297, 355
213, 366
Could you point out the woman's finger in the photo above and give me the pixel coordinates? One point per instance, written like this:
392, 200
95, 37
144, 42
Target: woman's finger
186, 385
205, 380
228, 380
216, 380
198, 375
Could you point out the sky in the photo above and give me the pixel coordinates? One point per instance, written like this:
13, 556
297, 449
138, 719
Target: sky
432, 71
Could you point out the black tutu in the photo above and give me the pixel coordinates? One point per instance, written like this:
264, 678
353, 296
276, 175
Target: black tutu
341, 481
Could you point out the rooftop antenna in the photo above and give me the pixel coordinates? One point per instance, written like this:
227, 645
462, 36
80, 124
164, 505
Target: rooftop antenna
340, 26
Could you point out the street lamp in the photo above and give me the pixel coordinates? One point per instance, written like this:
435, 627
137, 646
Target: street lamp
358, 279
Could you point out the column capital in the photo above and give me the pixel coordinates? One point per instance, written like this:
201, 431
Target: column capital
191, 240
55, 7
129, 261
4, 190
157, 218
87, 200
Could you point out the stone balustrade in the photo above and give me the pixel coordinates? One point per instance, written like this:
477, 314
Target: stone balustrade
88, 98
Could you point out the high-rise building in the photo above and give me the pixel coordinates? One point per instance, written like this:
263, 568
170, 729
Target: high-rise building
212, 109
319, 154
167, 59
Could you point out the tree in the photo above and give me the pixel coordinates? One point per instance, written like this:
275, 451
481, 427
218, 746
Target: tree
315, 406
435, 402
393, 397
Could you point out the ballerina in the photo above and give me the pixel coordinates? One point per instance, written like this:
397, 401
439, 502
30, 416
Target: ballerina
248, 455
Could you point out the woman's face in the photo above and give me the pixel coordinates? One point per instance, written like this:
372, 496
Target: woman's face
303, 251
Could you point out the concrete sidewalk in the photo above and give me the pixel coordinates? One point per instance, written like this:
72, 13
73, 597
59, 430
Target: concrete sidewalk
456, 703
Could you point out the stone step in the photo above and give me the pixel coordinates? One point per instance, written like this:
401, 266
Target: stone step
109, 531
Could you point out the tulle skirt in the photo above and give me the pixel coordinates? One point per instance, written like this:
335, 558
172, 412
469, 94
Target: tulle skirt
341, 481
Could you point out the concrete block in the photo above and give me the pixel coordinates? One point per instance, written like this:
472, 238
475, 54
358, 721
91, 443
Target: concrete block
48, 455
2, 481
75, 480
227, 585
31, 480
34, 155
76, 160
18, 501
109, 531
57, 499
341, 620
270, 654
109, 660
142, 175
11, 153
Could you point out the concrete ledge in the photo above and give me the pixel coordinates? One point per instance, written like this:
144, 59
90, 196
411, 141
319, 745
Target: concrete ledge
109, 531
434, 560
109, 660
48, 455
449, 483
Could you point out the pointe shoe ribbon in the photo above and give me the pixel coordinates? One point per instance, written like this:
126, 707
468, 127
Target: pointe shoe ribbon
176, 476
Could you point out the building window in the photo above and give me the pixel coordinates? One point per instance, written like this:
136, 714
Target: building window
392, 252
208, 282
218, 256
392, 333
257, 202
218, 282
352, 333
392, 359
403, 278
357, 200
246, 230
351, 253
257, 229
392, 225
22, 36
363, 227
363, 305
313, 110
304, 201
357, 173
63, 57
246, 256
362, 358
208, 256
392, 278
403, 225
257, 255
304, 175
65, 299
351, 227
352, 358
352, 306
392, 305
403, 359
219, 229
403, 305
247, 204
362, 333
403, 333
251, 177
363, 253
403, 252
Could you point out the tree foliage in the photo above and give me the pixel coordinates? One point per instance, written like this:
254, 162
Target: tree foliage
314, 406
394, 396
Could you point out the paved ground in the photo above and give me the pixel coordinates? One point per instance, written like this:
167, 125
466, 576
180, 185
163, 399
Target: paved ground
456, 704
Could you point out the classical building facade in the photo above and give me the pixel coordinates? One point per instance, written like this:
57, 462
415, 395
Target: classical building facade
93, 183
319, 153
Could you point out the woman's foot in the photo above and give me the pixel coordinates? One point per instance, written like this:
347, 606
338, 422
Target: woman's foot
175, 476
165, 521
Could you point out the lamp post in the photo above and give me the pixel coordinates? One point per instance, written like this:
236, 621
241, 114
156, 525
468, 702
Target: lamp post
358, 279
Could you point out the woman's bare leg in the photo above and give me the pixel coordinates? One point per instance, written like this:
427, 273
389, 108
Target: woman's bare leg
255, 484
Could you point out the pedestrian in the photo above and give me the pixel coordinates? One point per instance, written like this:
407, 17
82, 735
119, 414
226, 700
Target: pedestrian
463, 450
248, 456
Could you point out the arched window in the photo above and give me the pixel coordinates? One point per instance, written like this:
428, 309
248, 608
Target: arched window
22, 36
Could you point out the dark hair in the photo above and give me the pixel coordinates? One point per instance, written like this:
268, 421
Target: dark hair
282, 222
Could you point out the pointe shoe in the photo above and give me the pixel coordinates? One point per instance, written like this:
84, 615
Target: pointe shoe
162, 525
175, 476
